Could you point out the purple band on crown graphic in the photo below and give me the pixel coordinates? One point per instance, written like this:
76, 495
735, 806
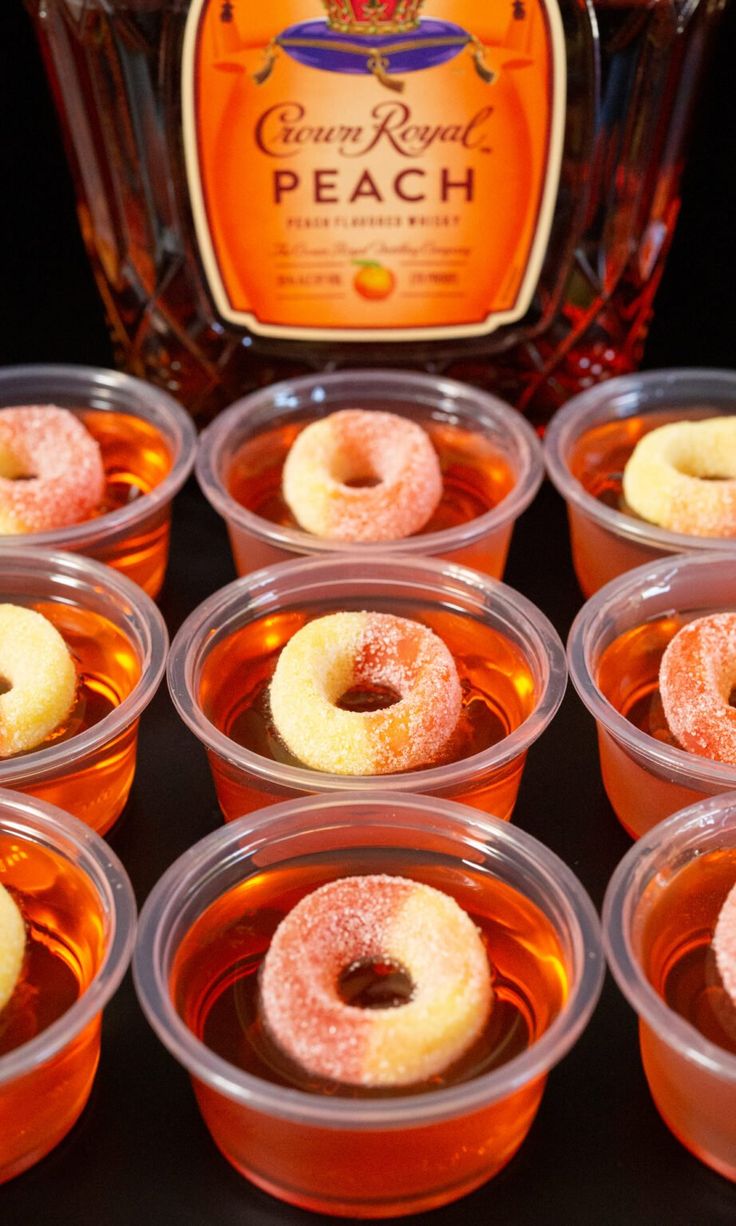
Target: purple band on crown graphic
385, 39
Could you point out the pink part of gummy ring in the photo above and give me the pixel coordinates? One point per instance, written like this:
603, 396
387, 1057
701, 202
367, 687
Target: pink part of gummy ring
724, 944
349, 923
362, 445
51, 471
696, 677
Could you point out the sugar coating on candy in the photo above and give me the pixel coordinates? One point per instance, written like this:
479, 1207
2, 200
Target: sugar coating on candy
60, 463
724, 944
12, 945
682, 476
696, 676
362, 444
331, 655
41, 680
376, 918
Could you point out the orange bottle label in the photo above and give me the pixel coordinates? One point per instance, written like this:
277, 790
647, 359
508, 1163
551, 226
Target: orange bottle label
373, 169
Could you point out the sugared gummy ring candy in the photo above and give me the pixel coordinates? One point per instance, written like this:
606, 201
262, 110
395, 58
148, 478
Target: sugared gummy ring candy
696, 676
51, 472
12, 945
362, 445
331, 655
39, 677
355, 921
682, 476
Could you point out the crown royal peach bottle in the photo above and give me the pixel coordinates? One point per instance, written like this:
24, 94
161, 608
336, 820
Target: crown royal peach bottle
483, 187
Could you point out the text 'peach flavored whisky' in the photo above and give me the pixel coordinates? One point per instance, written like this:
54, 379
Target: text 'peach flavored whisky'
482, 188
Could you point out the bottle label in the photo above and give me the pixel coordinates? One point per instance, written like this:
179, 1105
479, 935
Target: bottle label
373, 170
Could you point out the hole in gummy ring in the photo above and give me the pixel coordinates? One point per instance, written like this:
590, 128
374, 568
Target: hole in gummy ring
362, 483
367, 697
375, 983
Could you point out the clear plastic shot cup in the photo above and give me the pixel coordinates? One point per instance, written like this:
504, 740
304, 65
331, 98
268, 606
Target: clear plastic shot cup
586, 448
659, 915
118, 641
614, 652
206, 927
490, 457
509, 659
148, 444
79, 913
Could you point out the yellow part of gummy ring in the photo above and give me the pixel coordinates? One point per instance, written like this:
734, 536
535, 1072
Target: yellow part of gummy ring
12, 945
40, 677
355, 921
330, 656
682, 476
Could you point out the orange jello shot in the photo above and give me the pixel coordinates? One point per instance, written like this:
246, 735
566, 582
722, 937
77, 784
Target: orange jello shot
368, 1146
615, 652
589, 444
276, 676
661, 922
146, 445
113, 640
487, 460
75, 909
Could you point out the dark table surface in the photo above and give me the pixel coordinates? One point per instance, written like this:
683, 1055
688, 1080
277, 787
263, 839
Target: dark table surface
597, 1152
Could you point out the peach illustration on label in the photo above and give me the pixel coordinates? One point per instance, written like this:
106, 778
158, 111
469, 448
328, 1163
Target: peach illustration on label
373, 280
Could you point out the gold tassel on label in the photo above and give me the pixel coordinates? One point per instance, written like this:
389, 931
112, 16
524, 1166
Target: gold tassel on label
379, 66
269, 59
478, 52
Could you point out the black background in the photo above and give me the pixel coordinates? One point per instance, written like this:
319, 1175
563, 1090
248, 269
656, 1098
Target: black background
598, 1152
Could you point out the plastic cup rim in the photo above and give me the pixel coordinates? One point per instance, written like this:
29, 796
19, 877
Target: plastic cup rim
114, 889
674, 1029
82, 570
113, 524
251, 1091
305, 543
192, 635
562, 431
668, 758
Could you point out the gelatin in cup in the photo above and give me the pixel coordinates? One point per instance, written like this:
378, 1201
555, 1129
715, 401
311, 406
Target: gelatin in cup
79, 911
490, 457
118, 641
659, 913
510, 661
586, 447
342, 1153
148, 445
614, 651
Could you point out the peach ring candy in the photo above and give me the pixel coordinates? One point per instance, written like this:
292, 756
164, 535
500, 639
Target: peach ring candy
12, 945
60, 463
332, 655
357, 922
683, 477
696, 677
39, 678
362, 445
724, 944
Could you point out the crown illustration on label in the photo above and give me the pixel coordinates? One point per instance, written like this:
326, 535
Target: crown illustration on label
373, 16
